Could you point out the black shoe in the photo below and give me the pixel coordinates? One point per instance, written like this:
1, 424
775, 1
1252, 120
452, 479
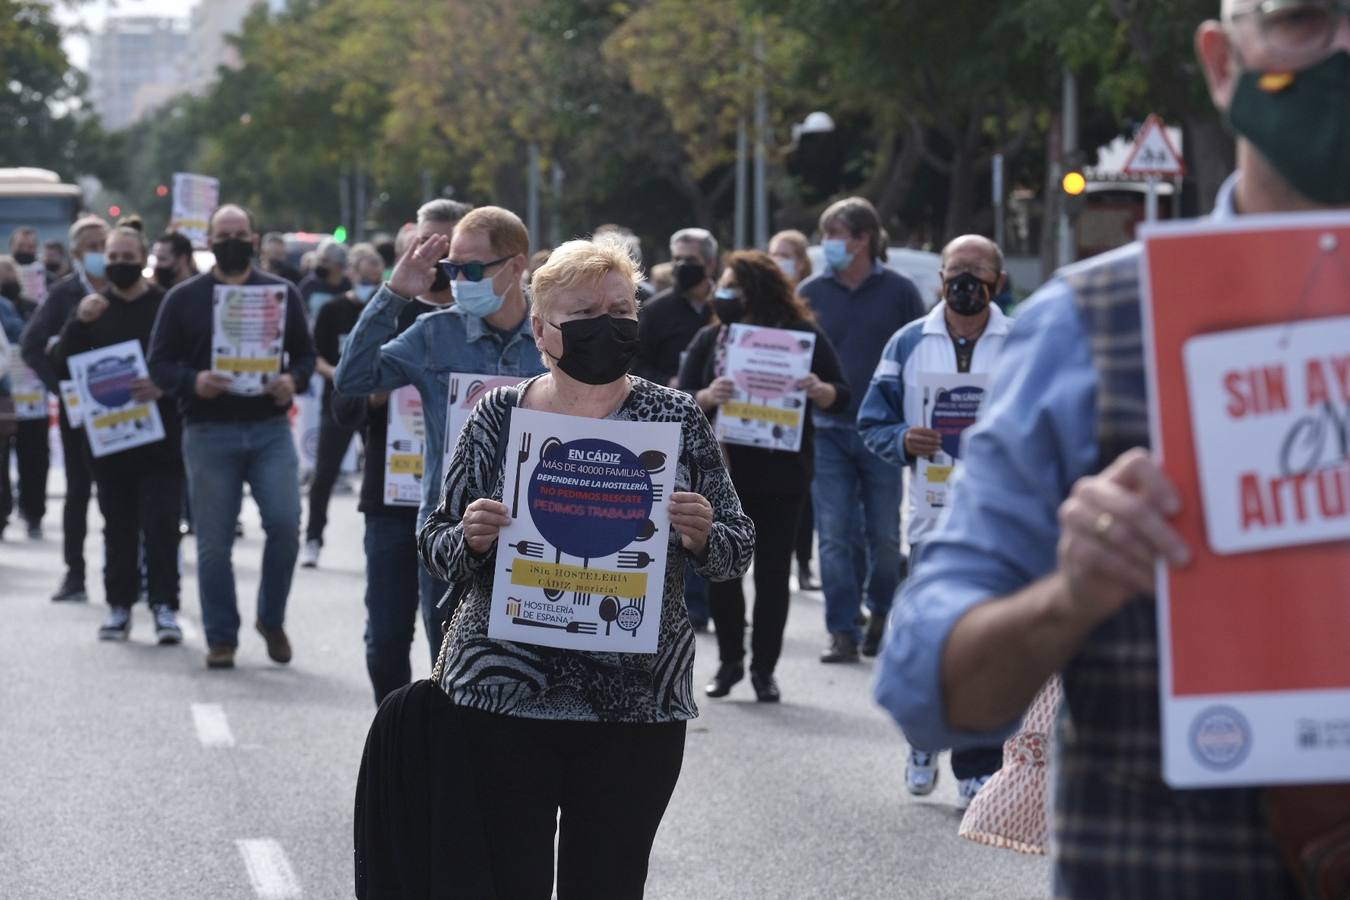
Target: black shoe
876, 630
805, 580
70, 591
726, 676
35, 531
766, 688
842, 648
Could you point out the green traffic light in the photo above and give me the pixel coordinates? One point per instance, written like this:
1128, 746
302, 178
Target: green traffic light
340, 234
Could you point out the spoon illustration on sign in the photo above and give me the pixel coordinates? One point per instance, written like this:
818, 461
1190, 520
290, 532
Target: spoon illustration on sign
609, 611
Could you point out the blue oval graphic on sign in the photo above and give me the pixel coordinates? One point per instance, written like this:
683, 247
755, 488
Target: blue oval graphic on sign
110, 380
589, 498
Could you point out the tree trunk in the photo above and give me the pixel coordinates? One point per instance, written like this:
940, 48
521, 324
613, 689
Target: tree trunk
1209, 152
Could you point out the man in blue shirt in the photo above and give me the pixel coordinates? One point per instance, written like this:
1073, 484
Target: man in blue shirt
859, 304
1045, 562
487, 330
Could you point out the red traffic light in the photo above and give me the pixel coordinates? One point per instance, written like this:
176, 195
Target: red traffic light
114, 211
162, 191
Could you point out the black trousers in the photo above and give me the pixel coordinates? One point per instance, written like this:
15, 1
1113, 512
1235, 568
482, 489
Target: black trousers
775, 517
977, 761
333, 443
611, 781
79, 487
34, 457
140, 497
806, 532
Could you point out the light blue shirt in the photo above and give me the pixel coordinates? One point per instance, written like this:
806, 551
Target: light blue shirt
424, 355
1035, 436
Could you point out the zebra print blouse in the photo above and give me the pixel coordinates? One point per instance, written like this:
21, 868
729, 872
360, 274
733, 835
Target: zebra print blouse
548, 683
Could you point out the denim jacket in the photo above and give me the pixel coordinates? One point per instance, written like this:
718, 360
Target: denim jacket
377, 359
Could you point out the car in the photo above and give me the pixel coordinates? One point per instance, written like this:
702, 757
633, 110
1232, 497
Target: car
919, 266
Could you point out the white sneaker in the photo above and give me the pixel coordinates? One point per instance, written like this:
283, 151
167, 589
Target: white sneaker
309, 554
166, 626
967, 788
117, 626
921, 773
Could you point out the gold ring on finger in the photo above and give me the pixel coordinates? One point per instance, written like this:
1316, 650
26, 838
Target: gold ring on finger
1103, 524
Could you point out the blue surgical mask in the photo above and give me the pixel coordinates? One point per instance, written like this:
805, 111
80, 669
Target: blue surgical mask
365, 291
836, 253
95, 264
477, 298
788, 265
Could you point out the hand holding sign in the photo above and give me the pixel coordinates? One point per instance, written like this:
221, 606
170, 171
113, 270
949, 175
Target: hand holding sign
691, 515
1114, 531
91, 308
483, 521
211, 385
143, 390
922, 442
281, 389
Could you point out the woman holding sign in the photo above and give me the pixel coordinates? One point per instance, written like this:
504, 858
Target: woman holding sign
598, 734
792, 367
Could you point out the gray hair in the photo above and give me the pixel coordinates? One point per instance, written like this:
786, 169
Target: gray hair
274, 237
442, 211
707, 244
83, 224
625, 237
364, 252
330, 251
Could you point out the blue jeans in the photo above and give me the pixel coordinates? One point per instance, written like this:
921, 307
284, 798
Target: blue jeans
849, 476
220, 457
392, 600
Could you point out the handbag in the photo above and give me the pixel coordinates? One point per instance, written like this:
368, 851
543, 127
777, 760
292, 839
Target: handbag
1311, 827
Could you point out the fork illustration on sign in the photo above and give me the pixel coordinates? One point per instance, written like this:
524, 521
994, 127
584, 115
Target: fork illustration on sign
635, 559
529, 549
570, 627
454, 390
521, 458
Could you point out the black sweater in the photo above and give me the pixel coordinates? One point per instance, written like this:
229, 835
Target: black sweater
123, 320
759, 470
45, 325
181, 347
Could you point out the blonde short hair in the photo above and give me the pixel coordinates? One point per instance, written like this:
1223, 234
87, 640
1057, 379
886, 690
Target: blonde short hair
581, 262
364, 252
505, 232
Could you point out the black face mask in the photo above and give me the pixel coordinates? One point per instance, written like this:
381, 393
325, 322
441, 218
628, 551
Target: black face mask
165, 276
598, 350
123, 275
689, 275
54, 266
729, 312
9, 290
233, 255
321, 272
968, 295
24, 258
440, 283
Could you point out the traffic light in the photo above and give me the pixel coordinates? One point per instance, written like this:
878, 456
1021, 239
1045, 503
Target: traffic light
114, 211
162, 191
340, 234
1073, 186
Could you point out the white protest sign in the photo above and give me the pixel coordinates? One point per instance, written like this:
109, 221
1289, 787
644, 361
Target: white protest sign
113, 420
950, 404
27, 390
403, 446
767, 409
33, 279
582, 564
465, 390
70, 399
195, 198
1270, 410
248, 333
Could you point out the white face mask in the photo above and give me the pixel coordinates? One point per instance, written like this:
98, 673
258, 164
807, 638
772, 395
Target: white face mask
788, 265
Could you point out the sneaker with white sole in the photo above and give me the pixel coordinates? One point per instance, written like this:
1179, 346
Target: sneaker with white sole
166, 625
921, 773
117, 626
309, 554
967, 788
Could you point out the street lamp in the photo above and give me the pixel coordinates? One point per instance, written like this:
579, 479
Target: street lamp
817, 122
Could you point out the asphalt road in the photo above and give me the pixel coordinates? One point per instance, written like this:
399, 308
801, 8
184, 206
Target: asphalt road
129, 771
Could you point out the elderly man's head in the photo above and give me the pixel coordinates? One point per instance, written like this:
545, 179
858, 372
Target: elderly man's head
23, 244
972, 274
693, 253
330, 264
233, 239
582, 280
1280, 71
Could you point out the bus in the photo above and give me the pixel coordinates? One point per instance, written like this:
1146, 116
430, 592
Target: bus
37, 198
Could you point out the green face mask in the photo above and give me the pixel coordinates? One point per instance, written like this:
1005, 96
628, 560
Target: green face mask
1301, 125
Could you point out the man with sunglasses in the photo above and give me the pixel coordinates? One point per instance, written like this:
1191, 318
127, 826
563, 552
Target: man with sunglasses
1045, 560
472, 259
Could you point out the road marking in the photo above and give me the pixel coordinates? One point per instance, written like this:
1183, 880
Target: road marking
269, 870
213, 729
